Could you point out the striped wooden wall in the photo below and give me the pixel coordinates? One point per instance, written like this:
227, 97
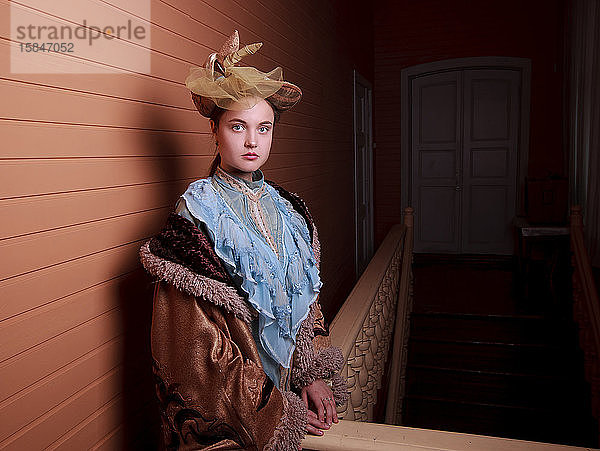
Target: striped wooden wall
410, 33
90, 165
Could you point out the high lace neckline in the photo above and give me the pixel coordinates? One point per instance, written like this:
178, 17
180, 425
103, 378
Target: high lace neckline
253, 205
240, 184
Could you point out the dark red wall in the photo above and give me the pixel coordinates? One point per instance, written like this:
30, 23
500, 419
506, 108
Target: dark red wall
354, 27
411, 32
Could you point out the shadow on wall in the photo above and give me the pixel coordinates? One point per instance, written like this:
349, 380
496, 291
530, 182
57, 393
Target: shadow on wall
140, 416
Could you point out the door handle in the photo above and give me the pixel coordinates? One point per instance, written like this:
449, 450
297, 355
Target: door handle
458, 188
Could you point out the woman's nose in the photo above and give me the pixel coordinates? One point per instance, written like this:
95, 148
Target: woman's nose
250, 140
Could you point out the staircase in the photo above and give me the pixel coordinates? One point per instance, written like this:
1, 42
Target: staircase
482, 361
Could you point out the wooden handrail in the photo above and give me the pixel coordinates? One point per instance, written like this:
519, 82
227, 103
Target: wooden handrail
364, 326
360, 436
586, 308
397, 379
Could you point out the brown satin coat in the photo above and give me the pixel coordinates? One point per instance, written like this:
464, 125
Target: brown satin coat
215, 368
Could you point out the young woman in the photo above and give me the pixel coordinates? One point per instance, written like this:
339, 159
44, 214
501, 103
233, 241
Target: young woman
241, 353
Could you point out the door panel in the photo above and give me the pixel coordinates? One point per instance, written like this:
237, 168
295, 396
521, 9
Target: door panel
490, 163
488, 204
491, 110
489, 104
435, 159
436, 206
437, 109
437, 164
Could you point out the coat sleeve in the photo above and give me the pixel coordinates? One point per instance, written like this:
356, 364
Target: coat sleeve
315, 358
212, 390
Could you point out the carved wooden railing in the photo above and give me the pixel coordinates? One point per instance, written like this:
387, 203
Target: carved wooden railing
586, 308
364, 327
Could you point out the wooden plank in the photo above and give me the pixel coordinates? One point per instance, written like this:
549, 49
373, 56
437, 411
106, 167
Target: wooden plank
25, 331
31, 252
35, 140
139, 431
30, 291
59, 420
35, 177
58, 105
34, 364
104, 420
85, 435
40, 213
24, 407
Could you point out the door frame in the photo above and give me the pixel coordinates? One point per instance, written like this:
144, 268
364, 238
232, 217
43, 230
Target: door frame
359, 79
523, 65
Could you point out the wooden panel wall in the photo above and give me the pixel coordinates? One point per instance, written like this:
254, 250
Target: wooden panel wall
91, 165
410, 33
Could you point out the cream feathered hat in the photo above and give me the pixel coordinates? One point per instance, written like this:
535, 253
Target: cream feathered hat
221, 83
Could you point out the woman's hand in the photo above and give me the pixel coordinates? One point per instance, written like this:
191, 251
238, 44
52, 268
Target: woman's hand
321, 397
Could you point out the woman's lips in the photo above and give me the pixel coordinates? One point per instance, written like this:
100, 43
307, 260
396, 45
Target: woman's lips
250, 156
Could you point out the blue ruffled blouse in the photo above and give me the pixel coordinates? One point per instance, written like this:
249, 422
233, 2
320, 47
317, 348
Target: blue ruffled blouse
281, 281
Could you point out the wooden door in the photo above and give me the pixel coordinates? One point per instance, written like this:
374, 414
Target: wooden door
436, 159
490, 145
464, 156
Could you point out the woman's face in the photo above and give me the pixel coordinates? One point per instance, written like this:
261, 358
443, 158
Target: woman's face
244, 139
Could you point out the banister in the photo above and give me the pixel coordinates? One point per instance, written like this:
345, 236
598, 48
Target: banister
393, 411
364, 326
349, 320
586, 308
361, 436
583, 268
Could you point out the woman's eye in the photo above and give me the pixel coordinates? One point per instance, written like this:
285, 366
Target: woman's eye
263, 129
237, 127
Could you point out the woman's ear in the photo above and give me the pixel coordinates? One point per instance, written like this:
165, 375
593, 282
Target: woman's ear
213, 126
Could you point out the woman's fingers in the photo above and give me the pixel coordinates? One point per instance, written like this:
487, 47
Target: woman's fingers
305, 398
313, 425
328, 410
314, 420
333, 411
335, 417
321, 411
313, 430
